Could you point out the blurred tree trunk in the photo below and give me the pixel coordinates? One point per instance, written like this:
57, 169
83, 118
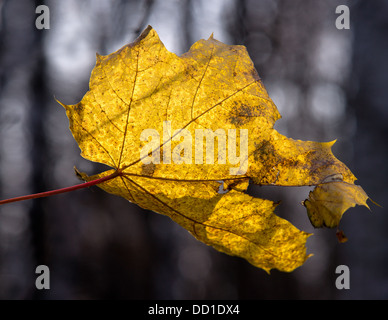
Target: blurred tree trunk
368, 101
23, 147
39, 156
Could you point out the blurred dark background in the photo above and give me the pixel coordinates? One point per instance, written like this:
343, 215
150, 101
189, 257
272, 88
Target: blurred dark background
327, 83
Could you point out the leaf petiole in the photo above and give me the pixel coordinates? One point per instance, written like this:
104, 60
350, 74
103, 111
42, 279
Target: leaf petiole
62, 190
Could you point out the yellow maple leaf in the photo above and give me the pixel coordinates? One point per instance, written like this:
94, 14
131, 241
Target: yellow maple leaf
185, 135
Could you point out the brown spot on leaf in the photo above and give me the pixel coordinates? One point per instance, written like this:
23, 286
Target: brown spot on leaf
254, 74
241, 114
148, 169
78, 107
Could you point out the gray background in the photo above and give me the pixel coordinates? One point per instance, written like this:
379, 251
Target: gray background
327, 83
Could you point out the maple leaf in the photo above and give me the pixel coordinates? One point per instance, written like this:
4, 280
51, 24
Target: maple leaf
155, 119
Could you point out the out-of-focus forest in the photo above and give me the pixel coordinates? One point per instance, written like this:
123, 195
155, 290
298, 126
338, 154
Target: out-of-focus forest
327, 84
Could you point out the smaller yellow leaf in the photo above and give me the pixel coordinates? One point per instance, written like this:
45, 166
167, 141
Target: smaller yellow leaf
328, 202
